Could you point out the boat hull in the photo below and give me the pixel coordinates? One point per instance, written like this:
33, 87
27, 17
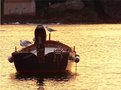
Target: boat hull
28, 63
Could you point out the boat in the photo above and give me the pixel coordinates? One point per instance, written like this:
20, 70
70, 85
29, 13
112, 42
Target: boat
43, 56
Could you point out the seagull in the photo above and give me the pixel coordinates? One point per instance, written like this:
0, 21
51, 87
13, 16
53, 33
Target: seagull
50, 29
25, 43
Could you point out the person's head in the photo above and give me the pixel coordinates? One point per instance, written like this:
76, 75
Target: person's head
40, 32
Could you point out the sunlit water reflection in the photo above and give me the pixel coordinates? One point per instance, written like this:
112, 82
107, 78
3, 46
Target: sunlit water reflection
98, 45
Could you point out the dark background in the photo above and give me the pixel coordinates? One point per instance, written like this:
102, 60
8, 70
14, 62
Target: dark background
94, 11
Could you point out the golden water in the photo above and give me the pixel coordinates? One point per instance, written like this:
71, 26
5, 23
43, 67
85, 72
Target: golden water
99, 47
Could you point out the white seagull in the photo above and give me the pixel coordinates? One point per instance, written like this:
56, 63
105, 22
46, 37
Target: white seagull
25, 43
50, 29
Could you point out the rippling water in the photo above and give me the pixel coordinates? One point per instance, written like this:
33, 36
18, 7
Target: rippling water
98, 45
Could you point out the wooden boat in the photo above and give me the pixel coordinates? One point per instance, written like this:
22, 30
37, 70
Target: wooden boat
44, 56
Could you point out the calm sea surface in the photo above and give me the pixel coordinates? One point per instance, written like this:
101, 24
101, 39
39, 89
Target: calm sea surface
99, 47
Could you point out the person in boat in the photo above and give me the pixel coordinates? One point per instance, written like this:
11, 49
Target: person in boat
40, 39
40, 31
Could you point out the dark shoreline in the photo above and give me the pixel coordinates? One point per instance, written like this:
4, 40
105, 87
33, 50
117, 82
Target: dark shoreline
56, 20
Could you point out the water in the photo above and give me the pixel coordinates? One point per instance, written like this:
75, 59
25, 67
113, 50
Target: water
98, 45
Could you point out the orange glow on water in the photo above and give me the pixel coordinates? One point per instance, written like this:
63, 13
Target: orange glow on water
99, 47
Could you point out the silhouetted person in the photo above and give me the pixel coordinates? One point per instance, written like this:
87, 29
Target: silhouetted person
40, 38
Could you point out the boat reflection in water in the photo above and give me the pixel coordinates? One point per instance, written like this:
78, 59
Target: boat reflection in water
41, 79
44, 56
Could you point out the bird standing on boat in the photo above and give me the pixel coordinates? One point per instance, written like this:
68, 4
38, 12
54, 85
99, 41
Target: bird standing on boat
50, 30
25, 43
